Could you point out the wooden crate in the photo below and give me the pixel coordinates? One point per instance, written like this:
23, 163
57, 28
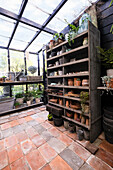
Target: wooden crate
6, 104
34, 78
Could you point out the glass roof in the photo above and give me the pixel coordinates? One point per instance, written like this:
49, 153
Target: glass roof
37, 11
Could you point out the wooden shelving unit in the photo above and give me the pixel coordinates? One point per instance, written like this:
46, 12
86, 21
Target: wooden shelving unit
80, 62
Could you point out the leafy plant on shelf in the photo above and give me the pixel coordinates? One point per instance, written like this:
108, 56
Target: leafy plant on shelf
19, 95
106, 57
27, 96
84, 96
111, 30
50, 116
57, 36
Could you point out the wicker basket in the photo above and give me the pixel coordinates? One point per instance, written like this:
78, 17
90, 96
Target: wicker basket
6, 104
34, 78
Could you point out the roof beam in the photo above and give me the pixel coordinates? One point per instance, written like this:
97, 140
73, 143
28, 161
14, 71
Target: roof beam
47, 21
23, 20
23, 5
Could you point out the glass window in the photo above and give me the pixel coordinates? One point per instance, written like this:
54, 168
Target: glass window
17, 44
31, 60
16, 61
34, 14
4, 41
3, 62
41, 63
24, 33
38, 43
6, 26
11, 5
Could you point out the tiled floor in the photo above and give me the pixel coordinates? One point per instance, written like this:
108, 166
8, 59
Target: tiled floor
29, 141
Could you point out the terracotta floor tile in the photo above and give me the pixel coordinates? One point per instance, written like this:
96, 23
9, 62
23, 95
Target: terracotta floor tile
40, 120
31, 132
83, 142
42, 108
22, 120
54, 132
71, 135
59, 164
14, 123
65, 139
106, 146
5, 126
31, 113
97, 163
27, 145
38, 140
13, 118
28, 118
35, 160
21, 136
105, 156
2, 145
11, 141
6, 168
80, 151
61, 128
22, 115
20, 164
47, 152
46, 167
46, 125
14, 153
3, 159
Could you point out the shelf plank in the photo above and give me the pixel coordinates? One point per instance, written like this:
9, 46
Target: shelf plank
70, 87
64, 107
104, 88
69, 52
20, 82
65, 97
65, 42
69, 63
74, 121
70, 75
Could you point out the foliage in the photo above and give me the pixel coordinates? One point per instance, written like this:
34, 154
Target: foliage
56, 36
32, 69
111, 30
111, 3
106, 57
84, 96
19, 95
37, 93
17, 104
27, 96
50, 116
78, 79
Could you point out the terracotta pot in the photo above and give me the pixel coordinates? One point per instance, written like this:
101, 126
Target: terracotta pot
29, 102
86, 109
37, 100
75, 81
83, 120
19, 100
87, 122
78, 83
67, 103
60, 101
70, 82
51, 44
111, 83
75, 116
85, 82
70, 115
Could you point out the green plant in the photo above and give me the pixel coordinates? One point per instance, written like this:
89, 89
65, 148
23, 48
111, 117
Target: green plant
17, 104
84, 96
50, 116
27, 96
19, 95
111, 30
106, 57
78, 79
57, 36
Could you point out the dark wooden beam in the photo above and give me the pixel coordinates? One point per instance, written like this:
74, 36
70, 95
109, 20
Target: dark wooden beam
23, 20
38, 64
47, 21
8, 56
23, 5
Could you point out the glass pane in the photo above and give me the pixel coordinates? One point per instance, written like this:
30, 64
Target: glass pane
19, 45
41, 63
16, 61
3, 62
25, 33
11, 5
47, 6
6, 26
34, 14
4, 41
32, 61
41, 40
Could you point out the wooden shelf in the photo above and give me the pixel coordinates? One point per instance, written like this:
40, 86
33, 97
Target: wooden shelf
20, 82
69, 63
71, 75
65, 42
65, 97
104, 88
70, 87
69, 52
70, 109
74, 121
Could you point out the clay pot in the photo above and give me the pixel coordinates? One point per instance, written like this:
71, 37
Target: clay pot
70, 115
87, 122
75, 81
29, 102
111, 83
37, 100
83, 120
60, 101
86, 109
78, 83
51, 44
70, 82
67, 103
85, 82
75, 116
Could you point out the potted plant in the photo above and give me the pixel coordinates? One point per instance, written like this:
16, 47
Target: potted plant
78, 82
28, 98
17, 105
84, 96
106, 57
59, 38
50, 117
69, 114
19, 97
3, 78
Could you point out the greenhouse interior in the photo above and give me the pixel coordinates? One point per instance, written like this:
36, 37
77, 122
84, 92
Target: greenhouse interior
56, 85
